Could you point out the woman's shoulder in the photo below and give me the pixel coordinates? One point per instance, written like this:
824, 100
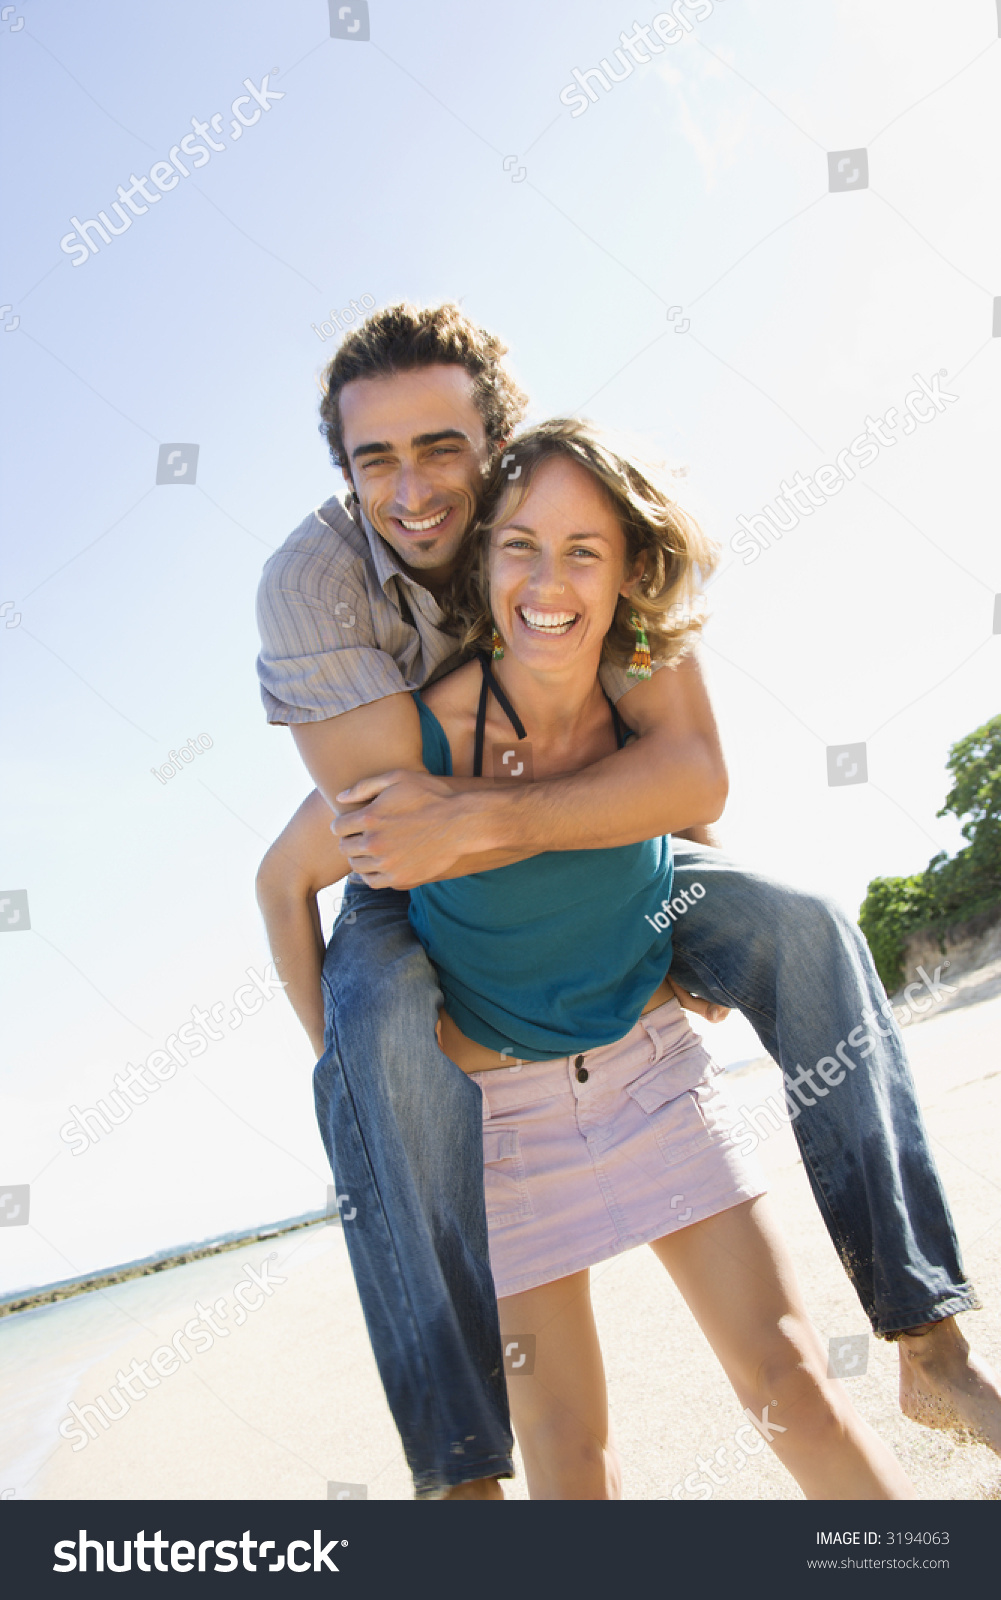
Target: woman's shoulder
456, 693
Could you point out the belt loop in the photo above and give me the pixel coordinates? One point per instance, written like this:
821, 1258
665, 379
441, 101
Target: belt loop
654, 1037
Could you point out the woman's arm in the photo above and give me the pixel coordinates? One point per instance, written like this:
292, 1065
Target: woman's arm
304, 859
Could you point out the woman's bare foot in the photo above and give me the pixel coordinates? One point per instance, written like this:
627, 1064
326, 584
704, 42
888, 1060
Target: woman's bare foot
943, 1385
479, 1489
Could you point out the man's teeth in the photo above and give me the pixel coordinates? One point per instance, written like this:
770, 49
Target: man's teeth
548, 621
427, 523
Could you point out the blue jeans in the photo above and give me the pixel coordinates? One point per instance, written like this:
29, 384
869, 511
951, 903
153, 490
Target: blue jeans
402, 1128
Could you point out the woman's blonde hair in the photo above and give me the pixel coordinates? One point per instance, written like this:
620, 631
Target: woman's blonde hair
677, 556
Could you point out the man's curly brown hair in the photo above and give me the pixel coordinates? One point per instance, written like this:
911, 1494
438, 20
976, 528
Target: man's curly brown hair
402, 338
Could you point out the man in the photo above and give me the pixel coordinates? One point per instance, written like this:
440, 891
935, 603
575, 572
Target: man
353, 615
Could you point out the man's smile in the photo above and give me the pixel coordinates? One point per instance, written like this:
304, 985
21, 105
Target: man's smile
425, 524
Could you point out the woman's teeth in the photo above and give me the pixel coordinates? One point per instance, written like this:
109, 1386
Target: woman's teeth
547, 621
427, 523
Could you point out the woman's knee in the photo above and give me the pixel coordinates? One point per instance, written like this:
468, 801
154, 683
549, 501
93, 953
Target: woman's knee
786, 1385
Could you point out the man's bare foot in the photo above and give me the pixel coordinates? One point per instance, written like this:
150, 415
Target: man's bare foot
479, 1489
943, 1385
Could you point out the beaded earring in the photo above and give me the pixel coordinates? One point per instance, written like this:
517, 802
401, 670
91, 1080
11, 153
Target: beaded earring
497, 652
639, 666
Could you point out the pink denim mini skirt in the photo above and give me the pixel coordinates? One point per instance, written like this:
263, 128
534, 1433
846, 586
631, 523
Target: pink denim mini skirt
593, 1154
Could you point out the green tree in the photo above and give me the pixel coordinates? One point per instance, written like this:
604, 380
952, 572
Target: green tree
975, 764
950, 889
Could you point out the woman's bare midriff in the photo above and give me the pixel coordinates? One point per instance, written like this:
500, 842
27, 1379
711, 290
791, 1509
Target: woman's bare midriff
473, 1057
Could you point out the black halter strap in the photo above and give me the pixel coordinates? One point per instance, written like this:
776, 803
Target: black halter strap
490, 684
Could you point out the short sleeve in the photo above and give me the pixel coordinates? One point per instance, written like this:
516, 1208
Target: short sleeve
319, 653
615, 680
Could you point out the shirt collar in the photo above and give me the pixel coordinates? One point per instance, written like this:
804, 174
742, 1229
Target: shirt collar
385, 562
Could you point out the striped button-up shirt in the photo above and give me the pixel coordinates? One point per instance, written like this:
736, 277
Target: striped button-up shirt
342, 624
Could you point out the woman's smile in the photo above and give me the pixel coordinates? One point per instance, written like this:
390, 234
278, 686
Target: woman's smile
552, 623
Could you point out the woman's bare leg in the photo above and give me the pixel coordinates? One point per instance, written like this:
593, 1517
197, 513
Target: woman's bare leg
737, 1277
560, 1410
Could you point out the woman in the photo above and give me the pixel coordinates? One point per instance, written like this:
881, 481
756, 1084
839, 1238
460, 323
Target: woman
603, 1128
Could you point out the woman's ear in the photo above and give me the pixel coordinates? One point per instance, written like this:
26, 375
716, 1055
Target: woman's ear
633, 578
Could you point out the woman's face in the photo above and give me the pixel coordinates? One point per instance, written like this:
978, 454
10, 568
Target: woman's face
557, 568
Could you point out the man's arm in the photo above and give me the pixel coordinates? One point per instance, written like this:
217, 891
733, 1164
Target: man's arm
699, 835
414, 828
340, 751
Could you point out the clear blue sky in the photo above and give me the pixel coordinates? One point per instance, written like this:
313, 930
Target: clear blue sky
700, 182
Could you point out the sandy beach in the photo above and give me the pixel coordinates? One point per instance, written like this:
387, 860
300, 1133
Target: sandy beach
286, 1403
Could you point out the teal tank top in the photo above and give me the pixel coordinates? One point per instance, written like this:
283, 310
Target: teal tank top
550, 956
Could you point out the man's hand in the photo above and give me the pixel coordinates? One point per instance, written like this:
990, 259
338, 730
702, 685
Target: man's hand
702, 1008
409, 830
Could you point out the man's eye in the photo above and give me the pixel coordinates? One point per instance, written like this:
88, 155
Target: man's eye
380, 461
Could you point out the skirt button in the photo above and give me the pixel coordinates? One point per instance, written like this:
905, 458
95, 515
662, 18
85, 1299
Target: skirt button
582, 1072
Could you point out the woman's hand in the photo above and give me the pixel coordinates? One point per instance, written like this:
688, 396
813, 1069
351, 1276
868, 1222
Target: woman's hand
703, 1008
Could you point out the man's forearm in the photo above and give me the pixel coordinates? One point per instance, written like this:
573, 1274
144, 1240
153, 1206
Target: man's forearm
700, 835
644, 790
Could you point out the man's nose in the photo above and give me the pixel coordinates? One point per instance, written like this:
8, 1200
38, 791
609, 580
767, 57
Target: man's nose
413, 487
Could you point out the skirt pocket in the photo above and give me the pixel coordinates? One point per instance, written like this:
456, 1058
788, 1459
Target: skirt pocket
505, 1184
673, 1104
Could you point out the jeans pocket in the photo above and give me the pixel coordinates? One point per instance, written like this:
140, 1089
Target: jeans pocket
505, 1183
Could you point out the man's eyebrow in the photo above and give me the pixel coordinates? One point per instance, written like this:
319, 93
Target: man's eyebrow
436, 438
383, 447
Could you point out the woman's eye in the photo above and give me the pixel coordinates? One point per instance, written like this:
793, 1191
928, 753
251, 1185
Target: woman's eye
583, 550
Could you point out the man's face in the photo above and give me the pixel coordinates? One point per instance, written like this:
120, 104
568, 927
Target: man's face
418, 454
